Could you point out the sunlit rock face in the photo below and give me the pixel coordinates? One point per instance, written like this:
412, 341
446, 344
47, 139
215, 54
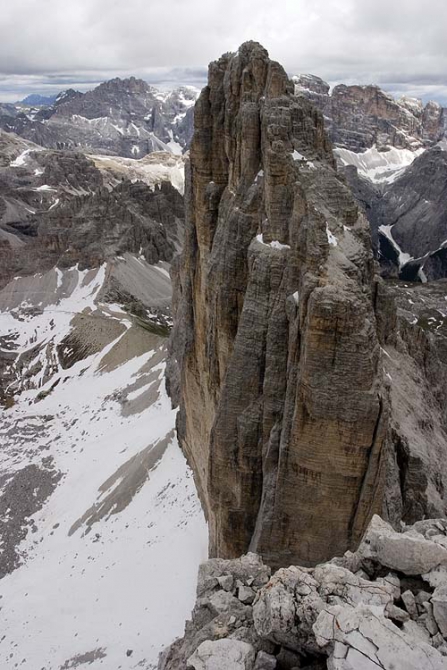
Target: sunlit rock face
359, 117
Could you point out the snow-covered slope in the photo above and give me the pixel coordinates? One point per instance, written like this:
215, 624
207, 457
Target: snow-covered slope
378, 166
101, 528
154, 168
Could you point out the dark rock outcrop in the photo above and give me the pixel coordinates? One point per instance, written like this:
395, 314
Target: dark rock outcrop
88, 230
55, 210
283, 410
132, 217
416, 206
408, 217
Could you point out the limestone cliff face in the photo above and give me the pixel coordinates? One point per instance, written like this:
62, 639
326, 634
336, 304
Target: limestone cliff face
58, 209
283, 413
357, 117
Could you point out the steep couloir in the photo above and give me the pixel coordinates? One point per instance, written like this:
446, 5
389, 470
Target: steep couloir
283, 409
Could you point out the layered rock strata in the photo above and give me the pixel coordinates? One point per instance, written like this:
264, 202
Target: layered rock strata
126, 117
359, 117
283, 411
57, 208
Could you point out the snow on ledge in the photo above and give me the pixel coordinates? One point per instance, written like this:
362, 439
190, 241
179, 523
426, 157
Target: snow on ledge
21, 159
297, 156
331, 238
274, 244
403, 257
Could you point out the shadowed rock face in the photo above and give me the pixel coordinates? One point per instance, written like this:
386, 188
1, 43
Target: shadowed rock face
62, 213
413, 209
417, 203
283, 413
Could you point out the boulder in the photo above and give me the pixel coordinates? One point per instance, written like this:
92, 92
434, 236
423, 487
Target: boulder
439, 602
222, 655
408, 552
361, 638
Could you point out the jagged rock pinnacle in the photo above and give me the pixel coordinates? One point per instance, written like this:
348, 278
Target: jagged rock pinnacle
283, 415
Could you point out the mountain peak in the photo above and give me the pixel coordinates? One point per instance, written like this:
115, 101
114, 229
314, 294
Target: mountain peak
282, 252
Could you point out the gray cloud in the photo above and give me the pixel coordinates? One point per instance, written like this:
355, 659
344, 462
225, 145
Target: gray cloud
46, 45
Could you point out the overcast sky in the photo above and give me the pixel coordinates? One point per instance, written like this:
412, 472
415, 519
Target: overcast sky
50, 45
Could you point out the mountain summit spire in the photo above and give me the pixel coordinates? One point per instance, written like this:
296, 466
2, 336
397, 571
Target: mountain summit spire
283, 413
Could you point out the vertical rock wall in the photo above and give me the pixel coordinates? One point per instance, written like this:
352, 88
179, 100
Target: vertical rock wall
283, 414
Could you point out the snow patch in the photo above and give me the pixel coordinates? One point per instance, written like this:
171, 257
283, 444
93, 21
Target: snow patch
330, 237
175, 147
403, 257
274, 244
297, 156
129, 583
378, 166
21, 159
45, 187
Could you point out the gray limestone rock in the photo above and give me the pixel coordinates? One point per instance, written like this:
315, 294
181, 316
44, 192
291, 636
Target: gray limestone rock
410, 604
66, 215
226, 582
221, 655
125, 117
408, 552
358, 117
322, 617
371, 641
276, 252
439, 602
265, 661
245, 594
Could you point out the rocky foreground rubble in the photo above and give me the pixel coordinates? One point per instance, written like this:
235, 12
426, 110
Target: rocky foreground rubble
382, 607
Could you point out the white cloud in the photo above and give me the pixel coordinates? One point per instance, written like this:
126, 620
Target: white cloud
396, 44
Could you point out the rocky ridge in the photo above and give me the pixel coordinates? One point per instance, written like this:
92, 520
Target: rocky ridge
358, 117
59, 212
58, 208
384, 606
392, 153
126, 117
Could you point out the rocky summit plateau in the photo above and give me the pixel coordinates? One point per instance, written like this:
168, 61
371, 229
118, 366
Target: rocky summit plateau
223, 376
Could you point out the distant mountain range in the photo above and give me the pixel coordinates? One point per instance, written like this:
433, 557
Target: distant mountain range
376, 139
36, 100
124, 117
393, 155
